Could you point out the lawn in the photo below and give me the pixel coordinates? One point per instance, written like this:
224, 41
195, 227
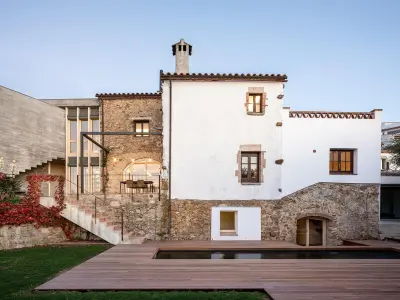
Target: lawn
23, 269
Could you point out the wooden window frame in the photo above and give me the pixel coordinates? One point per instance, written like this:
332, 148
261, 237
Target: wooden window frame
249, 179
339, 161
254, 105
140, 122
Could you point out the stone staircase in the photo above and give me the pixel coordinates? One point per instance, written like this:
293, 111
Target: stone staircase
83, 215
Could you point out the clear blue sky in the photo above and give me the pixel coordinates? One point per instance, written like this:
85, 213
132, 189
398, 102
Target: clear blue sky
339, 55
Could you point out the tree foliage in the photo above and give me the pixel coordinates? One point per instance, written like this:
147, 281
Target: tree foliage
394, 149
9, 186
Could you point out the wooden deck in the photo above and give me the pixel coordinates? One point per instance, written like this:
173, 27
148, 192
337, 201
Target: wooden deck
132, 267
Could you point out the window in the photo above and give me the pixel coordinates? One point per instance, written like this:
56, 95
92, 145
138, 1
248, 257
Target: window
141, 126
341, 162
96, 128
85, 128
227, 222
250, 166
254, 104
72, 136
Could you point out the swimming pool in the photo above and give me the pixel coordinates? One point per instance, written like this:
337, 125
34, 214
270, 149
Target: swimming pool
279, 254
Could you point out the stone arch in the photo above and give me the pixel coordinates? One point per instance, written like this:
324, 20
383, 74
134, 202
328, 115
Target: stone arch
316, 215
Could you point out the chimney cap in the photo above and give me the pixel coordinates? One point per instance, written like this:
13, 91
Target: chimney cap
181, 43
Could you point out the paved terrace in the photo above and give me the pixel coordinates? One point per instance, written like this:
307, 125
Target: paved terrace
132, 267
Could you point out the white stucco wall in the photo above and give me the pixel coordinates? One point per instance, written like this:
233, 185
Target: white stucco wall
302, 167
209, 125
248, 223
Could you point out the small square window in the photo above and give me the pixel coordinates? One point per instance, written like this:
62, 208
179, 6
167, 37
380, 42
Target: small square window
228, 222
255, 103
141, 126
250, 166
341, 161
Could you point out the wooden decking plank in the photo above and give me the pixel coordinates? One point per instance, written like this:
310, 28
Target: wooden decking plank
131, 267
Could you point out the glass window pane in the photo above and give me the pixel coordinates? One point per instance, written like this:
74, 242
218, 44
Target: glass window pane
250, 108
138, 127
96, 125
96, 179
254, 159
342, 156
251, 100
258, 107
86, 179
72, 147
72, 179
348, 166
145, 127
258, 98
72, 130
245, 159
331, 166
335, 166
342, 167
335, 156
254, 171
84, 126
348, 156
245, 171
331, 156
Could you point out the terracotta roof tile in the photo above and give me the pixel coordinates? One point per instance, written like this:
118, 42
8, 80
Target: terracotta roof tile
331, 115
128, 95
223, 76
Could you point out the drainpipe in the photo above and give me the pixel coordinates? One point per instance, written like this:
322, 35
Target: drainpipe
169, 158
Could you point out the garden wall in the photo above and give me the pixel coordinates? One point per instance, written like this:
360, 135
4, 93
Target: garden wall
12, 237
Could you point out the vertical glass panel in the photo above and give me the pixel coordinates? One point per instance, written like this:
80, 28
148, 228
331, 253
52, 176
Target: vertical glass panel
330, 166
258, 107
258, 99
245, 159
84, 127
96, 179
96, 125
335, 155
331, 156
348, 156
254, 171
87, 179
96, 128
138, 127
72, 147
72, 179
72, 130
342, 156
335, 166
251, 99
254, 159
146, 128
245, 171
348, 166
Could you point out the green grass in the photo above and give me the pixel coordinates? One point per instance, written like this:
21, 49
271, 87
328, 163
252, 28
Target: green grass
24, 269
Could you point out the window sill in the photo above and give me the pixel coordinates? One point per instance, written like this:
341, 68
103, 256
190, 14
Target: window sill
256, 114
227, 233
339, 173
250, 183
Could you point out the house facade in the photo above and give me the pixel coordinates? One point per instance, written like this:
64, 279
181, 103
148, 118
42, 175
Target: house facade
229, 161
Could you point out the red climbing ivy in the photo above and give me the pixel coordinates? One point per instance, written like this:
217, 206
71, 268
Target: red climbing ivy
29, 210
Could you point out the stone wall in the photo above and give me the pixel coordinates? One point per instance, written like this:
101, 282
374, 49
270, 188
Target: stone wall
144, 215
118, 115
12, 237
351, 210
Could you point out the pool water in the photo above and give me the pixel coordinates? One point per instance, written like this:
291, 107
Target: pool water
280, 254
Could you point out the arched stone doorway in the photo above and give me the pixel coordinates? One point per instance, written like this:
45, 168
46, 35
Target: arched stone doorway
311, 230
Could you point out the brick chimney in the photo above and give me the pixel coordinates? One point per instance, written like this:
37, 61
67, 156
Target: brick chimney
182, 50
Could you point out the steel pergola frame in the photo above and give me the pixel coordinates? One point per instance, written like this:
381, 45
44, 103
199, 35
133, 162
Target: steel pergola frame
86, 135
